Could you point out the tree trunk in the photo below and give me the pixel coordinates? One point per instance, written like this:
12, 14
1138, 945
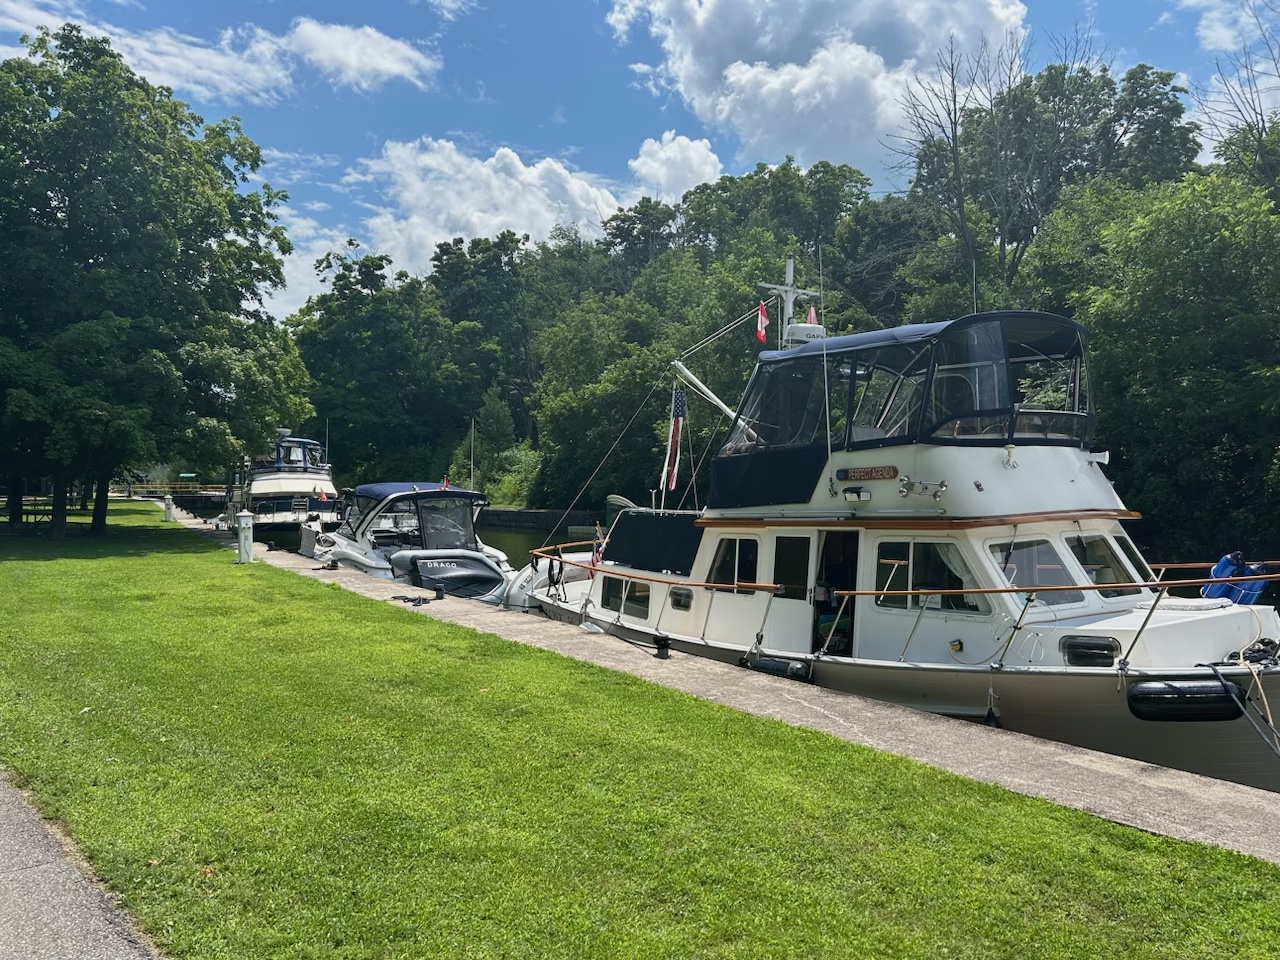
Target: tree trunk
85, 484
16, 487
100, 503
58, 515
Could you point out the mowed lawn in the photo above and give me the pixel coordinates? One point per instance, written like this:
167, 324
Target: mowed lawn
263, 766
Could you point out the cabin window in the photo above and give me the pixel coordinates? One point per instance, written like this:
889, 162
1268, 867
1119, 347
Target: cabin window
1101, 563
735, 561
926, 565
1027, 564
681, 598
636, 592
1135, 558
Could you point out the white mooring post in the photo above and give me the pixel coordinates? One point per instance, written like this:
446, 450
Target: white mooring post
168, 507
244, 535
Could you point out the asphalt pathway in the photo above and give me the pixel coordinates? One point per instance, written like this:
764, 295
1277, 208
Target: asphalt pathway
52, 909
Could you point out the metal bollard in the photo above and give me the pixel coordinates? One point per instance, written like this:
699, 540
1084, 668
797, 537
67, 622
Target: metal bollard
168, 507
244, 536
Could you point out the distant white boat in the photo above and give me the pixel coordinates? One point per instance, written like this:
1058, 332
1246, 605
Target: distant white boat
286, 488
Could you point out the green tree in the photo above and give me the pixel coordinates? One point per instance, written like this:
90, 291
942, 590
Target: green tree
1186, 349
395, 381
986, 135
480, 282
131, 325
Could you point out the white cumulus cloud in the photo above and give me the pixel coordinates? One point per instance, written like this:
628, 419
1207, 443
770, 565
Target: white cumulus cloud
433, 192
359, 57
817, 79
1222, 25
245, 64
665, 169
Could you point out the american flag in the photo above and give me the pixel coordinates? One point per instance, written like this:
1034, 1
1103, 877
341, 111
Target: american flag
597, 550
673, 446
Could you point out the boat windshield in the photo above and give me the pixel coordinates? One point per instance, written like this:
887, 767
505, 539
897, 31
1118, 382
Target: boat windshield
1101, 563
447, 523
796, 402
1027, 564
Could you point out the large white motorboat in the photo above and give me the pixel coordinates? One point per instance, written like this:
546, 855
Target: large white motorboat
914, 515
290, 485
423, 533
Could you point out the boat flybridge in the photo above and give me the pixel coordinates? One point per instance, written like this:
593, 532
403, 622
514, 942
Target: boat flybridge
914, 515
285, 488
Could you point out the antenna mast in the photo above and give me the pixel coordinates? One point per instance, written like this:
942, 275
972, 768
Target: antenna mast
789, 291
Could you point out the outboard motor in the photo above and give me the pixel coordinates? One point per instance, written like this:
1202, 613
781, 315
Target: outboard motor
459, 576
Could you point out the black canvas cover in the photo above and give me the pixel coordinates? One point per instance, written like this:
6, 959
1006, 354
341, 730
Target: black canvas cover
769, 476
657, 542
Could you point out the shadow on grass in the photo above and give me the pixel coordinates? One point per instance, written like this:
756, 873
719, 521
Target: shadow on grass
133, 529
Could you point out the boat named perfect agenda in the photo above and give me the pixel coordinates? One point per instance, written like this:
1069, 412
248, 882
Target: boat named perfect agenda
915, 514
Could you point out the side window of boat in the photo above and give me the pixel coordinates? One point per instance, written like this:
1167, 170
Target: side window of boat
927, 565
1101, 563
1135, 558
637, 596
735, 561
893, 568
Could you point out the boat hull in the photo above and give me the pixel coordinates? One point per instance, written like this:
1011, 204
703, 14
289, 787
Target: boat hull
1083, 707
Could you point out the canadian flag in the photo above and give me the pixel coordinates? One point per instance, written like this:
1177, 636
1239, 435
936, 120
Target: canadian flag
762, 321
813, 315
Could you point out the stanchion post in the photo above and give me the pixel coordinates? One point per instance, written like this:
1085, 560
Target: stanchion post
168, 507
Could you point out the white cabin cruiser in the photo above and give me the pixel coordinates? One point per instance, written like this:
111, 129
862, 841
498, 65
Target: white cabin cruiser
284, 489
914, 515
420, 532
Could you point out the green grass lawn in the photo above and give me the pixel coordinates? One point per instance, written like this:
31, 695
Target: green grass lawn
261, 765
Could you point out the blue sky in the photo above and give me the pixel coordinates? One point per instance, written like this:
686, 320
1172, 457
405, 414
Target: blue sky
403, 123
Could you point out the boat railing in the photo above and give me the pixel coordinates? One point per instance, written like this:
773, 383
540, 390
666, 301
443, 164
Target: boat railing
1028, 592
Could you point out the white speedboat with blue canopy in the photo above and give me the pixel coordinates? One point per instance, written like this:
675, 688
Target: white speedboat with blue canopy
423, 533
915, 515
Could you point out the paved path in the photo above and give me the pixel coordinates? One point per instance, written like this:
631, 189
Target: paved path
51, 910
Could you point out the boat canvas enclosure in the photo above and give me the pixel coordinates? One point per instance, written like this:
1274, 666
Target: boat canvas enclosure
982, 380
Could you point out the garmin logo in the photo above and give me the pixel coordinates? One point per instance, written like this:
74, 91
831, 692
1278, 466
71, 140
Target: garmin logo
438, 563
